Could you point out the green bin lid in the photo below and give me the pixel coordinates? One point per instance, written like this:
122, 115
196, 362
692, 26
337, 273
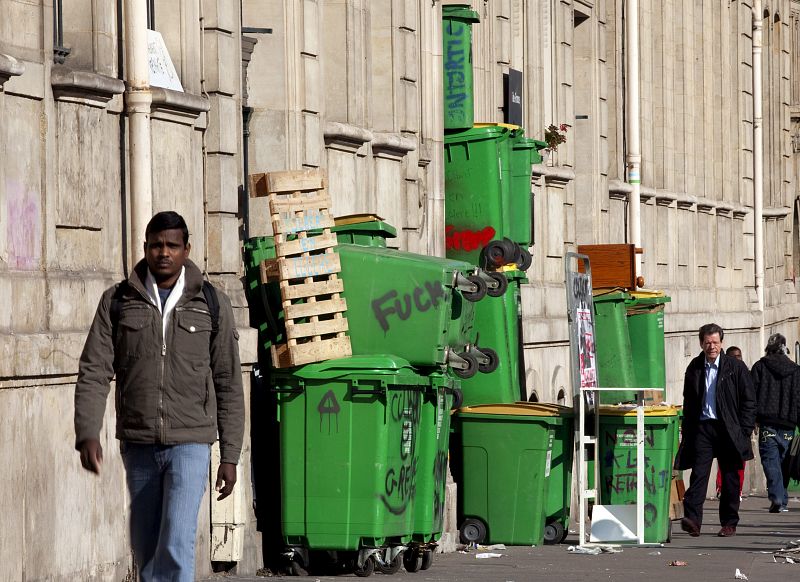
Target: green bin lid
256, 247
372, 365
643, 297
478, 133
614, 294
526, 143
460, 11
513, 409
657, 410
373, 226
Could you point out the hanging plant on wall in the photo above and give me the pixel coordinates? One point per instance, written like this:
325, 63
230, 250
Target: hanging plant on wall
554, 136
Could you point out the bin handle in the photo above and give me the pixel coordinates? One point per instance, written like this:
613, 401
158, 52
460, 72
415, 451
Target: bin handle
286, 390
362, 391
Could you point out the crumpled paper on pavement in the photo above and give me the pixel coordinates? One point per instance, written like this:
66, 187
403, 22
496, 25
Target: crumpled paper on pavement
594, 550
739, 576
678, 563
485, 555
493, 547
788, 555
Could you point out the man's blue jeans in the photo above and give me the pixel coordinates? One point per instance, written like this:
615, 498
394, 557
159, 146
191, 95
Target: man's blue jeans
166, 484
773, 443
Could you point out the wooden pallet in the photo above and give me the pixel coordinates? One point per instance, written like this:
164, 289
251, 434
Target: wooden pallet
306, 267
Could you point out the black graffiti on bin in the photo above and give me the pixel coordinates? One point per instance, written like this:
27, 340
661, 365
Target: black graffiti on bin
620, 474
422, 298
439, 483
329, 407
400, 481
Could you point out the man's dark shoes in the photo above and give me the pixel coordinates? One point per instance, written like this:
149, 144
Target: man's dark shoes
775, 508
727, 531
690, 527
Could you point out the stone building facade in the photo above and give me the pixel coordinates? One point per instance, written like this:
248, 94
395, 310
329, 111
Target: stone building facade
354, 86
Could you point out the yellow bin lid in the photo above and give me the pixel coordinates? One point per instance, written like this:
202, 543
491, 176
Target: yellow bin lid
506, 125
513, 409
647, 293
656, 410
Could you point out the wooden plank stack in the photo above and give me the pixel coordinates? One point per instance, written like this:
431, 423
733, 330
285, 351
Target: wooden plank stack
306, 267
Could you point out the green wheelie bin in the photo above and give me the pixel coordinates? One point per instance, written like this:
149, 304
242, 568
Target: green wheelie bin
459, 108
518, 224
502, 463
617, 444
417, 307
497, 328
477, 170
613, 345
559, 482
431, 475
264, 301
645, 317
350, 432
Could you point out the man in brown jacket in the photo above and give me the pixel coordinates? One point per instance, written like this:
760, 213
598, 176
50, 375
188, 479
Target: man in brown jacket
171, 341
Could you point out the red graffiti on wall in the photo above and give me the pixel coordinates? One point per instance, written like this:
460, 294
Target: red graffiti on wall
467, 240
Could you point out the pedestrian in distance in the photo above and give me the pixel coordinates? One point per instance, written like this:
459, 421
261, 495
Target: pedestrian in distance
169, 338
777, 382
719, 411
734, 352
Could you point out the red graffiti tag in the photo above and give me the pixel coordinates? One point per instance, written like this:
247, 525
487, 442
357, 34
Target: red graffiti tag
467, 240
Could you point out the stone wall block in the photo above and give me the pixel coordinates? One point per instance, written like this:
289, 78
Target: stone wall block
222, 52
221, 14
312, 84
311, 27
409, 43
32, 293
21, 27
222, 183
409, 100
73, 302
223, 130
224, 252
62, 499
312, 140
13, 403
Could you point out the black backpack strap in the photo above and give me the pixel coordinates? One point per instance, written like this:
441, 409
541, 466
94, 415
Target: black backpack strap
212, 301
116, 307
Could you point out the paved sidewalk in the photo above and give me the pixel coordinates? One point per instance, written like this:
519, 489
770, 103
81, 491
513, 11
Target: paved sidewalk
708, 557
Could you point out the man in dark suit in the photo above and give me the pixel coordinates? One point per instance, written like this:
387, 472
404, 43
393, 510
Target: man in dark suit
719, 414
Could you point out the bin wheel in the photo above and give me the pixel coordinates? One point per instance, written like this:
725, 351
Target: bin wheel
366, 570
479, 293
458, 399
470, 370
391, 568
496, 254
493, 362
554, 533
427, 560
512, 250
472, 531
502, 284
296, 569
412, 559
525, 260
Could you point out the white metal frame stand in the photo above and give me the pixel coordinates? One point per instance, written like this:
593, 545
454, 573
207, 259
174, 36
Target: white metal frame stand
584, 442
580, 301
